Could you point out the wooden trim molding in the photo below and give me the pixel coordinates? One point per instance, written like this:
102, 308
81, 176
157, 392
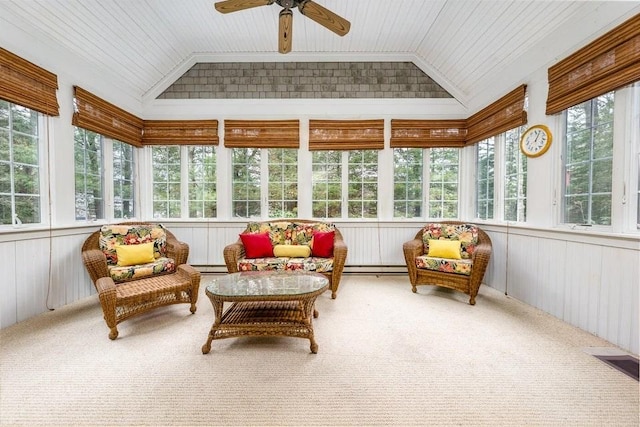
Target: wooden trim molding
262, 133
608, 63
180, 132
26, 84
428, 133
97, 115
346, 134
504, 114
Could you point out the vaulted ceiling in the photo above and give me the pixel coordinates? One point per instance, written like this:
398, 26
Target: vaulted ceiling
462, 44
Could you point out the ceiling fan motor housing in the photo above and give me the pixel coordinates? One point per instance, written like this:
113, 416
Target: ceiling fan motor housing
289, 4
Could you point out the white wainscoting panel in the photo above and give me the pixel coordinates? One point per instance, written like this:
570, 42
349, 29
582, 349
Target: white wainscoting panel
589, 281
8, 285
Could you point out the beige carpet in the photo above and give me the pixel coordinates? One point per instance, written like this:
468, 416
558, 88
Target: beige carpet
386, 357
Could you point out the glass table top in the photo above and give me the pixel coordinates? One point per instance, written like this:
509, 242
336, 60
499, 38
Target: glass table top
265, 283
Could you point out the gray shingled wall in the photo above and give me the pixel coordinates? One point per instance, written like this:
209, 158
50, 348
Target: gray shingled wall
266, 80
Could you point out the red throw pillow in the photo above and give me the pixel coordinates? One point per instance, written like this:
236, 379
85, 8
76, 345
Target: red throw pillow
257, 245
323, 244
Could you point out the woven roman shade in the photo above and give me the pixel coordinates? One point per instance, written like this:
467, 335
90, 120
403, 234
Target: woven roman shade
428, 133
504, 114
346, 134
606, 64
262, 133
26, 84
97, 115
180, 132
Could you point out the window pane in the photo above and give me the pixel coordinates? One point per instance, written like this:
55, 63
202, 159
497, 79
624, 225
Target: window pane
283, 182
166, 181
326, 184
443, 182
515, 178
123, 181
408, 165
589, 162
362, 184
485, 157
202, 182
19, 165
89, 188
245, 188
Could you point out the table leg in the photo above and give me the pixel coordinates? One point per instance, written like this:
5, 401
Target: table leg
217, 310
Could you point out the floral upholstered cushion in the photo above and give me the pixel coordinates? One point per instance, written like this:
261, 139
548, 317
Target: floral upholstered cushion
319, 265
133, 272
113, 235
446, 265
262, 264
466, 233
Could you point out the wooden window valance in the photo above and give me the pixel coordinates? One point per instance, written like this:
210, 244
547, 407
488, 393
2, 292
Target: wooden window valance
262, 133
346, 134
26, 84
97, 115
180, 132
606, 64
428, 133
504, 114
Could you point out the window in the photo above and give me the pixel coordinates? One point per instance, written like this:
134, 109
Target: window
588, 162
188, 170
407, 182
360, 185
277, 170
363, 184
89, 187
20, 198
515, 177
442, 182
123, 181
326, 184
99, 182
202, 182
485, 159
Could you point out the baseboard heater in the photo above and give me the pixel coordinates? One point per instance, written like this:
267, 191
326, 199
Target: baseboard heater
348, 269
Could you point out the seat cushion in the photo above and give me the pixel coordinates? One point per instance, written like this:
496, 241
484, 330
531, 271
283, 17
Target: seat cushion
319, 265
134, 272
445, 265
262, 264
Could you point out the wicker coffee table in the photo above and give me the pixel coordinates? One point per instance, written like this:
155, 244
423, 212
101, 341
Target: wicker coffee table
265, 303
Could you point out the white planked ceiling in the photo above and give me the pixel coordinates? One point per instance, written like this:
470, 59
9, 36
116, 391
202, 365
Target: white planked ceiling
459, 43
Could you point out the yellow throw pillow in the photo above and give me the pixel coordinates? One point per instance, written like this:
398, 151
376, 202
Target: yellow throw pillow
292, 251
444, 249
142, 253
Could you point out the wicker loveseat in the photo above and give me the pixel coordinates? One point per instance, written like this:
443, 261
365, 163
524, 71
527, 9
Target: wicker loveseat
292, 235
458, 258
127, 284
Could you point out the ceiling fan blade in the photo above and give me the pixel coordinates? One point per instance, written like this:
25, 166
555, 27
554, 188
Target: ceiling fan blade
235, 5
286, 28
325, 17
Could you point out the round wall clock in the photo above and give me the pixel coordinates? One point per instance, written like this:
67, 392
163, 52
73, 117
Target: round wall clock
535, 141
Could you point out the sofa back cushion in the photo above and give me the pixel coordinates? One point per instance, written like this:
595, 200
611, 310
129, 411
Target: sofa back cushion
467, 234
111, 236
288, 232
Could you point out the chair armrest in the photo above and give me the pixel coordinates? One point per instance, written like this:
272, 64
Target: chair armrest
178, 251
412, 249
232, 254
96, 264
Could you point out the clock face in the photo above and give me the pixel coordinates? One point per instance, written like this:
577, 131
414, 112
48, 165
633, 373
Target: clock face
535, 141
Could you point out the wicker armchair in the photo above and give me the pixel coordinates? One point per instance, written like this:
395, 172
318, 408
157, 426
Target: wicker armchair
124, 298
234, 253
466, 283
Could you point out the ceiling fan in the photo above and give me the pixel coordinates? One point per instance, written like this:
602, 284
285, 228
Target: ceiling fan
308, 8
